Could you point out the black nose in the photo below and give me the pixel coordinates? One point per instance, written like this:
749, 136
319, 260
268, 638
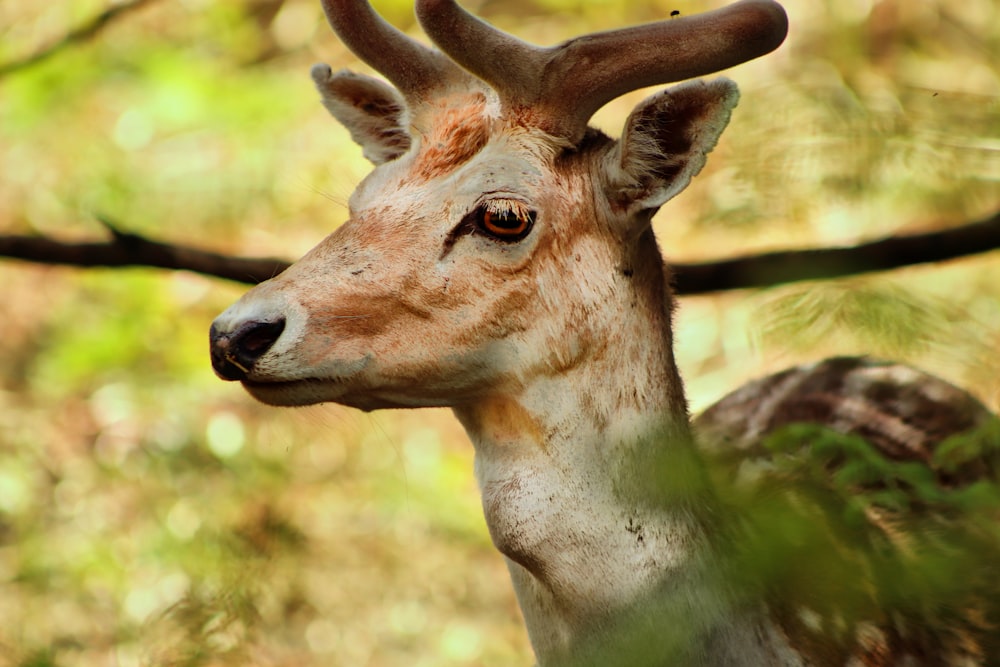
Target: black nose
234, 353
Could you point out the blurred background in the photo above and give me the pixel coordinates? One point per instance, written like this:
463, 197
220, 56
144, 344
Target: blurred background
153, 515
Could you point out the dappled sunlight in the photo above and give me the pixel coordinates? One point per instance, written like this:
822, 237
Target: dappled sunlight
153, 515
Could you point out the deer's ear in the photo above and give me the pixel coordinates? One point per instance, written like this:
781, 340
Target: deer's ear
372, 111
666, 140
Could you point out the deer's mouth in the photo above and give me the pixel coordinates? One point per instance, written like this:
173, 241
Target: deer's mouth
293, 393
312, 391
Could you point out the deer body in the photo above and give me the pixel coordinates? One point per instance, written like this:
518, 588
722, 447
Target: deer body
499, 261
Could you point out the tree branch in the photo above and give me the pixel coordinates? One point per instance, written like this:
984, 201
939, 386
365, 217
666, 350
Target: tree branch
752, 271
80, 34
893, 252
124, 249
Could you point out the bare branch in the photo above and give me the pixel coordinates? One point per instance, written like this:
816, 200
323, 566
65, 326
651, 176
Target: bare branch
776, 268
80, 34
124, 249
752, 271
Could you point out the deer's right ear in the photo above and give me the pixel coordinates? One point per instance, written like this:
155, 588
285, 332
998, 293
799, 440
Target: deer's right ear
372, 111
666, 141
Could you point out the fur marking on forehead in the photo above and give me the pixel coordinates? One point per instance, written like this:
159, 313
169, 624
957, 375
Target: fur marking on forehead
456, 135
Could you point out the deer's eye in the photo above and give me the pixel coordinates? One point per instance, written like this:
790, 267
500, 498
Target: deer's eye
507, 221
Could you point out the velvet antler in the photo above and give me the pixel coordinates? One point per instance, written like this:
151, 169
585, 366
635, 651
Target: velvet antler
564, 85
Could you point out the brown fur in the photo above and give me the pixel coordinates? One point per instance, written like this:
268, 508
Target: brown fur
458, 133
903, 412
506, 421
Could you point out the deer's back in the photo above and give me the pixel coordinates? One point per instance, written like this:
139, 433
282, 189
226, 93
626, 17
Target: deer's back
868, 511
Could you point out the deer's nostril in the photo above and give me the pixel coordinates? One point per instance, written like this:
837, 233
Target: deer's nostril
235, 353
254, 342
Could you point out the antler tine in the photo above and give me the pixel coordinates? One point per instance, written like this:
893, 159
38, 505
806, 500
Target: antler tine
412, 67
512, 67
590, 71
566, 84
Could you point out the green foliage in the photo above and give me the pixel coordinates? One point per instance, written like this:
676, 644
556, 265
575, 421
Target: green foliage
832, 526
881, 316
150, 514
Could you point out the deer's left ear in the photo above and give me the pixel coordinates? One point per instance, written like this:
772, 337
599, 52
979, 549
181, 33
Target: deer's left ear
665, 142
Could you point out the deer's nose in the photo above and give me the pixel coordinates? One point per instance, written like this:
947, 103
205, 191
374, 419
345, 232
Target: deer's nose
235, 352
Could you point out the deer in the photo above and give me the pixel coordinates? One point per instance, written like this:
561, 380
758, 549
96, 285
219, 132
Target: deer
499, 260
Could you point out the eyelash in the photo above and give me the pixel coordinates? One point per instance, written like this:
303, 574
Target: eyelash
504, 220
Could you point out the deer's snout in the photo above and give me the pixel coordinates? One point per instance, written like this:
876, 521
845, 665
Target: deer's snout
234, 352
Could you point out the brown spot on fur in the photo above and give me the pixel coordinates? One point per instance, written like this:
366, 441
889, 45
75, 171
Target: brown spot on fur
504, 420
458, 134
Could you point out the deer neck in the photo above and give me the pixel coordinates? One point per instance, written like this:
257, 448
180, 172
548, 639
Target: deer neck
556, 457
593, 491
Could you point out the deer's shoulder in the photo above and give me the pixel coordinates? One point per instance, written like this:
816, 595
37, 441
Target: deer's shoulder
868, 509
904, 413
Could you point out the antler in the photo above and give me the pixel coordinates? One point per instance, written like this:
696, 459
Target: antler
564, 85
414, 69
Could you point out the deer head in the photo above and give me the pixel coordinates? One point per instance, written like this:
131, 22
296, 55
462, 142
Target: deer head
499, 260
496, 226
